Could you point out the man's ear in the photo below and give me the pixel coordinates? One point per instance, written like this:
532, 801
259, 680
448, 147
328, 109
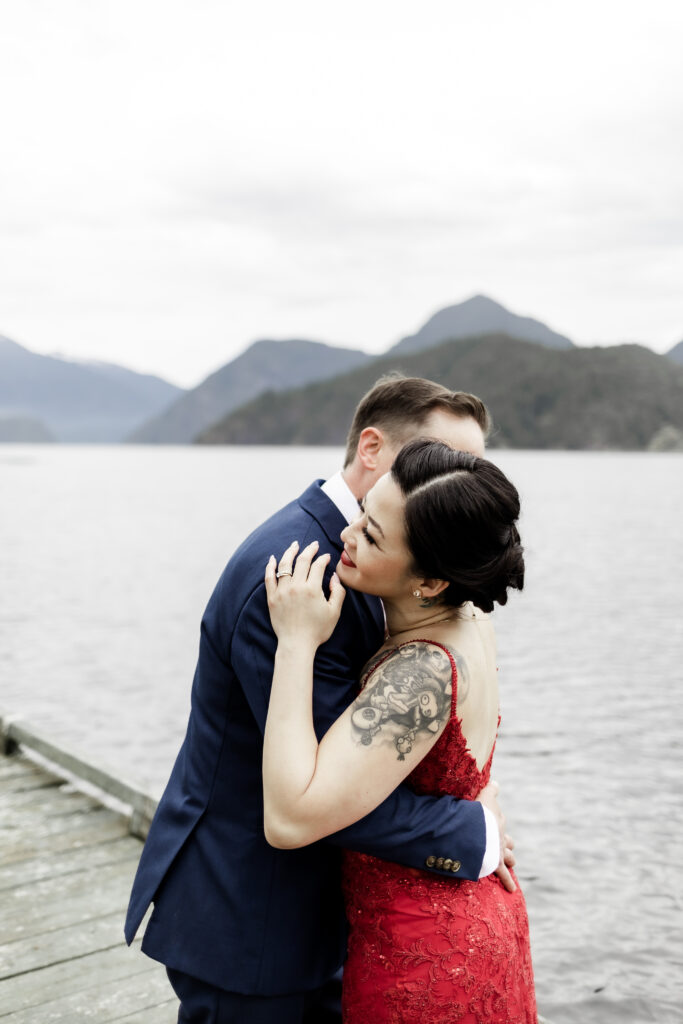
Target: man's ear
370, 445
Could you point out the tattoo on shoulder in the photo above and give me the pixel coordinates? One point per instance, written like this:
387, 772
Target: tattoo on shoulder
407, 697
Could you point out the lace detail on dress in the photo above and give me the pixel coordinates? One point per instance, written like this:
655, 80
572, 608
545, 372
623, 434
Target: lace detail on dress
427, 949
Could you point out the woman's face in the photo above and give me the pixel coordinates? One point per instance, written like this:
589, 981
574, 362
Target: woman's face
375, 558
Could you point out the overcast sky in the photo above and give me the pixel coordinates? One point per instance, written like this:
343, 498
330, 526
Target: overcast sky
179, 178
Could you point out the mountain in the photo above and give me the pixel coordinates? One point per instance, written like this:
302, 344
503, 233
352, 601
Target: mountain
77, 401
676, 353
479, 315
539, 397
265, 366
23, 429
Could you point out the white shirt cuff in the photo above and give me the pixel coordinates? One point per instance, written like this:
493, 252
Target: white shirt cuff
492, 855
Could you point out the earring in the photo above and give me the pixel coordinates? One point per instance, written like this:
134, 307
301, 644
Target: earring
417, 593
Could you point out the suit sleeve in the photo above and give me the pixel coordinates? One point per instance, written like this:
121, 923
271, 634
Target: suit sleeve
408, 828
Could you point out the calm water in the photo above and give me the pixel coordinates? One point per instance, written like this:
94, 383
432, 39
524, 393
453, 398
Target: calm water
107, 558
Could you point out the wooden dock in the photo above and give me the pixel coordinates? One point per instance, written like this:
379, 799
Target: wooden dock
66, 869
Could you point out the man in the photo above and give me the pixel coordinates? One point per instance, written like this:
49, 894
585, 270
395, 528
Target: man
249, 933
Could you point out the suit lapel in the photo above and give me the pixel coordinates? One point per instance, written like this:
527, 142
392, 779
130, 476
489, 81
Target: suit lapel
325, 512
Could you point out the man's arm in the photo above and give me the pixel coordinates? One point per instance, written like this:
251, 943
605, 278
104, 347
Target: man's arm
418, 831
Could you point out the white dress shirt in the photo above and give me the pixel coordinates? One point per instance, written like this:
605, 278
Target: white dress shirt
339, 493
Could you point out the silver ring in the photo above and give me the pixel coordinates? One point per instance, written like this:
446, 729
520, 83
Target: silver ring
283, 572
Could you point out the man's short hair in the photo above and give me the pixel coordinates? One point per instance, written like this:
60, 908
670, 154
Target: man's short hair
399, 405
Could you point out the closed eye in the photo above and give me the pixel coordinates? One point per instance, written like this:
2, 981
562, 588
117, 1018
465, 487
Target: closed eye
366, 533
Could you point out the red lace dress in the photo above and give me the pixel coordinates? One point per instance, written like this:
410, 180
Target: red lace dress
427, 949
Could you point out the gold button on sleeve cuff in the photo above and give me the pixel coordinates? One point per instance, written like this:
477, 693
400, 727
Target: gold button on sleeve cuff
455, 866
430, 862
439, 863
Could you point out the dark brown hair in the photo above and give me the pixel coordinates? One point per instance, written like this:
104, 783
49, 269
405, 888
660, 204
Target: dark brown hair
460, 518
399, 405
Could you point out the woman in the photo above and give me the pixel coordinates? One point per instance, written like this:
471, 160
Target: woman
437, 541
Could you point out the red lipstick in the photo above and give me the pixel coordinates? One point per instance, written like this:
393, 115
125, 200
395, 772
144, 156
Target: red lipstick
345, 560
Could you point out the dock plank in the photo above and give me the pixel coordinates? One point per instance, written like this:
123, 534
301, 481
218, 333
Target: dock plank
61, 944
165, 1013
52, 865
103, 1002
35, 987
17, 767
40, 803
66, 900
27, 781
62, 833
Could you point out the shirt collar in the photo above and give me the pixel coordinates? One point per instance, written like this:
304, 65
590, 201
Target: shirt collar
339, 493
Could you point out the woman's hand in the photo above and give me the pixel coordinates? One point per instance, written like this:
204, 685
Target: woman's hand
298, 607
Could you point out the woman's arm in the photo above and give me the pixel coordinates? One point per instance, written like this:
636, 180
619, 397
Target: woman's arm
312, 790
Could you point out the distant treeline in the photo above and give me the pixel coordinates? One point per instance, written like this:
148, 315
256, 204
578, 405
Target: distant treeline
622, 397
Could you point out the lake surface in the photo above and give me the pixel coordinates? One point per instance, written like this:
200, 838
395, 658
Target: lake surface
108, 556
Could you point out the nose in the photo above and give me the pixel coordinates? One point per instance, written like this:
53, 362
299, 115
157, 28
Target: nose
348, 531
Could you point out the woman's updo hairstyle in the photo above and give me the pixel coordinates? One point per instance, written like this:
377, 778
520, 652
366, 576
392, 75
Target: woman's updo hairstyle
460, 516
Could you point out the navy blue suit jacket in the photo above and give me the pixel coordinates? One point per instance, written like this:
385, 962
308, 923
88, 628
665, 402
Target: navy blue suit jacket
228, 908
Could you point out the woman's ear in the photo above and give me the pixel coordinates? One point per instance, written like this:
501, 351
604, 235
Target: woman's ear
431, 588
